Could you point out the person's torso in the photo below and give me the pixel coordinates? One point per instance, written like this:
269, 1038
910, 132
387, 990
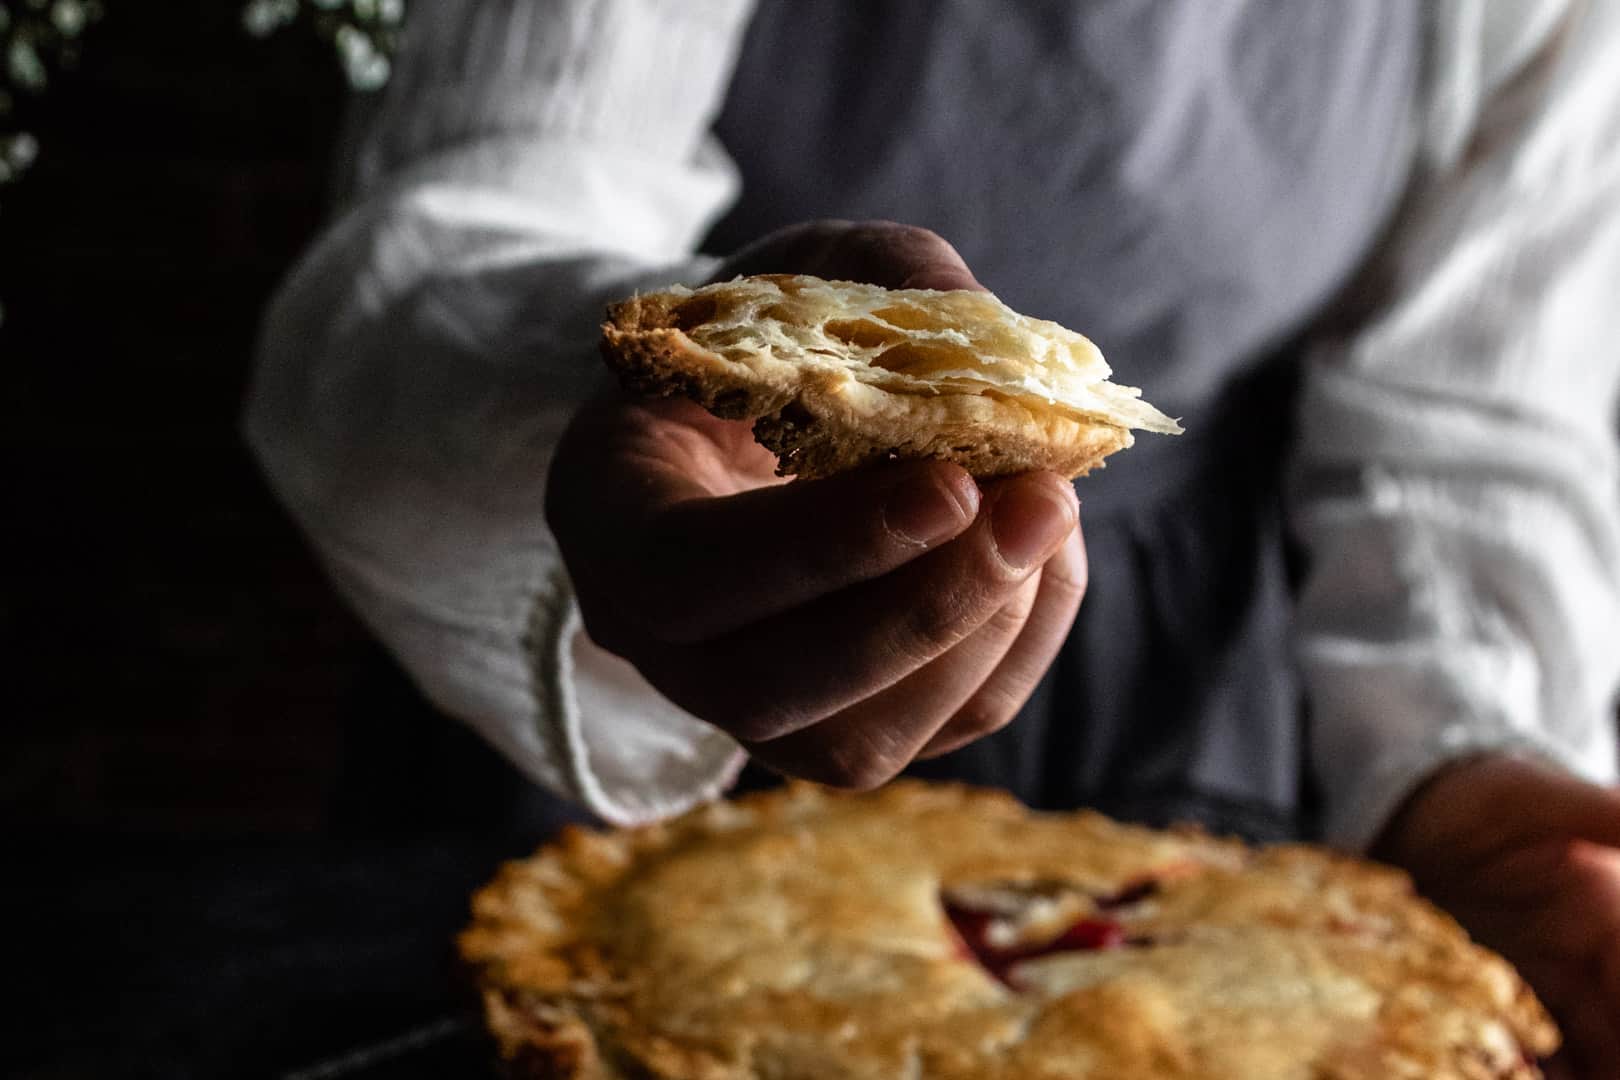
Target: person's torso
1187, 182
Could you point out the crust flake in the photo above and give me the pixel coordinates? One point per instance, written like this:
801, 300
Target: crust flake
819, 421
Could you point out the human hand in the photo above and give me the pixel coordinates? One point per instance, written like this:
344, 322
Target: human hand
1528, 860
837, 628
875, 252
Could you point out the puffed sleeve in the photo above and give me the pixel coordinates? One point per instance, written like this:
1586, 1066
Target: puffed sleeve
1456, 487
530, 160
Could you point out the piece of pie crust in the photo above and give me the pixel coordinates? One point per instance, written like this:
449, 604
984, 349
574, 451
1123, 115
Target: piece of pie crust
941, 932
836, 374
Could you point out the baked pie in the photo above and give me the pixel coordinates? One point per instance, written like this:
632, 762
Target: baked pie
836, 374
941, 932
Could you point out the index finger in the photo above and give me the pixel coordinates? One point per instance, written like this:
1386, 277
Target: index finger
704, 567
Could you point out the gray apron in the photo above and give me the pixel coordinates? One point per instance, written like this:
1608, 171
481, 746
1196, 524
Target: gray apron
1187, 182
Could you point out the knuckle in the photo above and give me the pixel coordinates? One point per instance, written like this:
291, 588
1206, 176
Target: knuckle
880, 233
923, 232
987, 713
876, 228
939, 621
862, 772
929, 249
749, 721
1010, 617
930, 240
890, 232
1001, 629
1068, 576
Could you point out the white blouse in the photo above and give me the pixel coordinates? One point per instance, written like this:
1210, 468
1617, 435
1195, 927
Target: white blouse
1456, 481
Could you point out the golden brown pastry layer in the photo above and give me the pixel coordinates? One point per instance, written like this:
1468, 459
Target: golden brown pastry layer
943, 932
838, 374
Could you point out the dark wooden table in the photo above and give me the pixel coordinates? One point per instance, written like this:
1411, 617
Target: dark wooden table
239, 957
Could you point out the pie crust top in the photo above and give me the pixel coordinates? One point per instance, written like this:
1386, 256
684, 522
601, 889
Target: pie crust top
936, 931
836, 374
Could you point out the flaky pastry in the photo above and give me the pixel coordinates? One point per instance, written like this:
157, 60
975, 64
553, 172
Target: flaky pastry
835, 374
941, 932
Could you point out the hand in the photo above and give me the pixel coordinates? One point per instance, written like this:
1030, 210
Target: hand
876, 252
1528, 860
837, 628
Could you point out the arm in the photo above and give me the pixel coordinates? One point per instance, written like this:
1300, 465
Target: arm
1459, 496
418, 371
530, 161
1456, 478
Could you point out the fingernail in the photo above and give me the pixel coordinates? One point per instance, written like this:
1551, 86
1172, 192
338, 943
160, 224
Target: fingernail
1029, 521
927, 510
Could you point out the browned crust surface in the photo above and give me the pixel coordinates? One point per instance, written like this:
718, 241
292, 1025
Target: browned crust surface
798, 934
818, 425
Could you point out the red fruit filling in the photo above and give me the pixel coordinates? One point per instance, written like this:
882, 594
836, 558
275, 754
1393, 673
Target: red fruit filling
972, 928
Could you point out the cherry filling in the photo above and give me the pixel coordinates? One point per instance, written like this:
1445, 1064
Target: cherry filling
987, 921
1134, 893
1090, 934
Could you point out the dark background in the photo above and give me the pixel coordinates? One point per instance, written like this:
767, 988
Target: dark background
236, 843
192, 885
175, 658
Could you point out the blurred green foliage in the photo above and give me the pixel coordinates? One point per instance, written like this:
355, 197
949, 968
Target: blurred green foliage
39, 38
364, 32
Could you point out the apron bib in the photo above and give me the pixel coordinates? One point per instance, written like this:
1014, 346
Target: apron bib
1187, 182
